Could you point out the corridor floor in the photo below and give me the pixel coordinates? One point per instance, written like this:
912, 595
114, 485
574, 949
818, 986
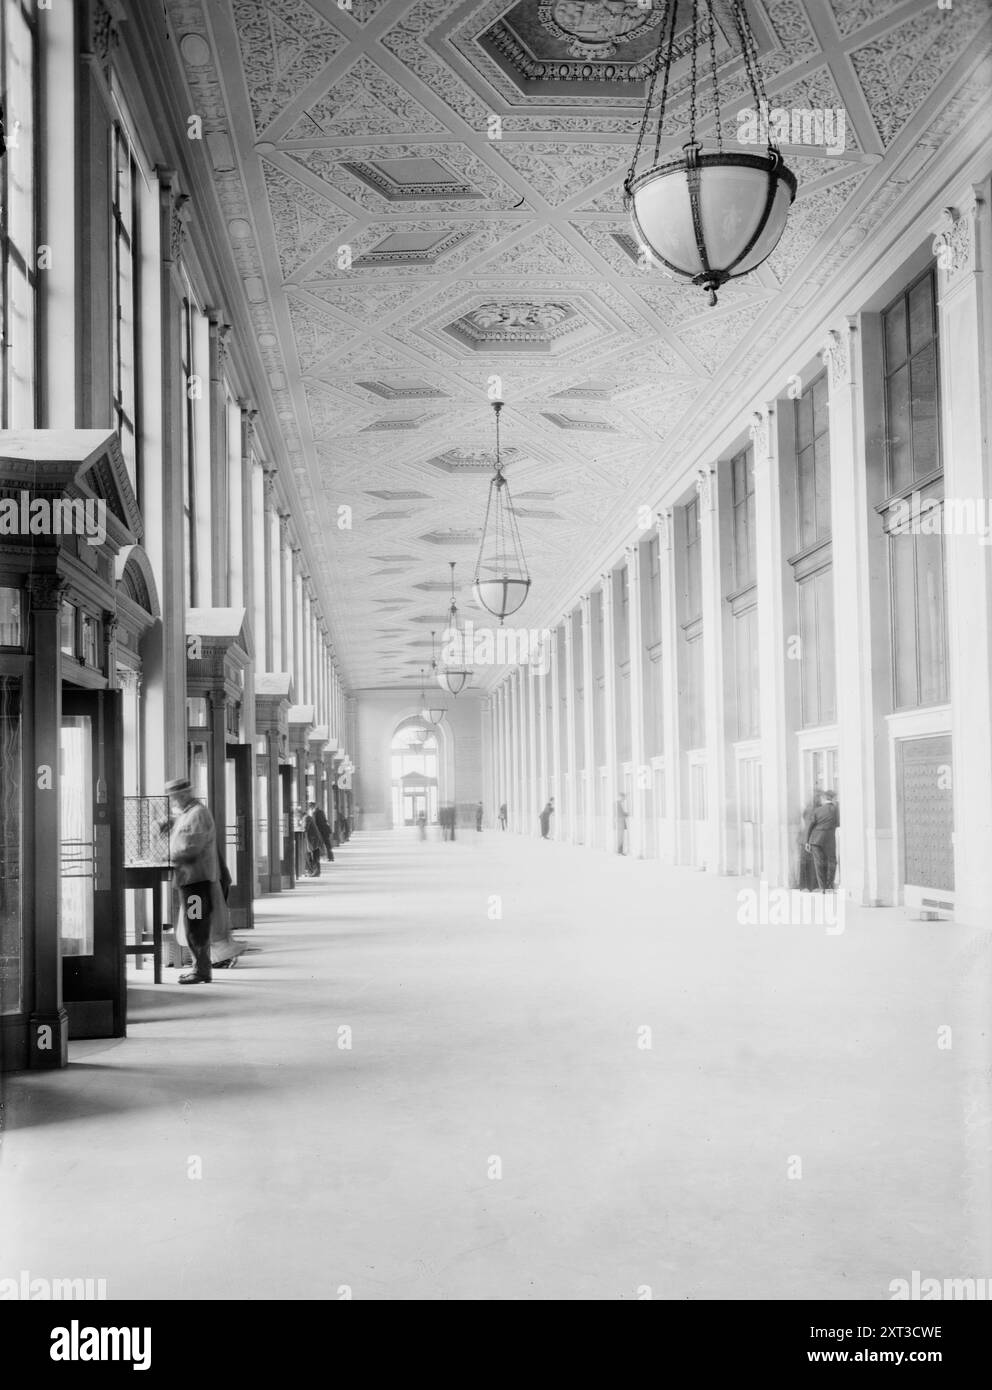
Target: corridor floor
505, 1069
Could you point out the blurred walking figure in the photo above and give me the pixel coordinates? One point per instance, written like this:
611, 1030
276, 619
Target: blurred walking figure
622, 819
821, 840
545, 818
323, 829
478, 816
225, 948
422, 825
502, 816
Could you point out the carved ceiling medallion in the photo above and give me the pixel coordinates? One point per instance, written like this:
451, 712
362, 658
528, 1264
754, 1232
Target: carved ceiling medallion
597, 28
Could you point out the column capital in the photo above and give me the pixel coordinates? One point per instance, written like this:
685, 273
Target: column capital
955, 243
705, 480
128, 679
223, 344
180, 215
664, 521
46, 591
837, 356
104, 31
760, 430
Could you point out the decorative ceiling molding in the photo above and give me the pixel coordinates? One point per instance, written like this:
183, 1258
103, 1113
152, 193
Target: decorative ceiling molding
459, 191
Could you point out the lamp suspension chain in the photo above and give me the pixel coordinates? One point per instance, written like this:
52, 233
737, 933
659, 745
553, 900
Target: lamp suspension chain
668, 20
716, 80
693, 79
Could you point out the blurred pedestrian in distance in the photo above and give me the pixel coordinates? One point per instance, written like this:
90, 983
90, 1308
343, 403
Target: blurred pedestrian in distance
502, 816
323, 829
311, 843
622, 819
478, 816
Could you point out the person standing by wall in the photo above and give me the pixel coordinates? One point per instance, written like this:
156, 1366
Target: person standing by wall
323, 829
193, 850
478, 816
545, 819
312, 843
502, 816
821, 840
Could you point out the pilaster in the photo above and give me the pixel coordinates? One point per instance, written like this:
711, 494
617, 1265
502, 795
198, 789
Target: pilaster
962, 247
773, 724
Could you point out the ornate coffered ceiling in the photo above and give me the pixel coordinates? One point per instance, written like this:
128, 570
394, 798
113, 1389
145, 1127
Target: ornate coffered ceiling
425, 201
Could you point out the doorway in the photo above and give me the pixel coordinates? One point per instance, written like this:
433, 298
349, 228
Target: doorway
92, 917
238, 841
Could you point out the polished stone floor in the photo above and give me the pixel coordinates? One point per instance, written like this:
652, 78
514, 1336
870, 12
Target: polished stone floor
516, 1070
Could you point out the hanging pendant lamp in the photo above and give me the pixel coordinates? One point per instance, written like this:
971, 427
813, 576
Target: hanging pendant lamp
454, 672
708, 217
502, 582
430, 714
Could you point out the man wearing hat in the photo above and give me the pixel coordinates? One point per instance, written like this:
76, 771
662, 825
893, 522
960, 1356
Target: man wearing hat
193, 850
821, 840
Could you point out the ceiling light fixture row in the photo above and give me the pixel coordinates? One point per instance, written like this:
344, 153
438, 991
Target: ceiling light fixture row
502, 581
452, 665
708, 217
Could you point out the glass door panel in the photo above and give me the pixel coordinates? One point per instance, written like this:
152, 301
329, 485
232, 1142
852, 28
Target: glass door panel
76, 829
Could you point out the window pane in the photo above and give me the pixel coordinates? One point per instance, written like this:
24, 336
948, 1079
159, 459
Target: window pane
806, 499
77, 840
808, 644
10, 617
899, 428
921, 314
821, 400
11, 944
923, 371
68, 626
821, 453
746, 653
930, 604
894, 327
17, 86
901, 552
826, 669
804, 420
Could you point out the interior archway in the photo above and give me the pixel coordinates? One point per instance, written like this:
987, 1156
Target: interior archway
416, 773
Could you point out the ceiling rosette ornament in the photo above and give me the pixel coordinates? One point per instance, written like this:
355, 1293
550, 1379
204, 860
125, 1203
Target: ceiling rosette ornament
597, 28
519, 315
